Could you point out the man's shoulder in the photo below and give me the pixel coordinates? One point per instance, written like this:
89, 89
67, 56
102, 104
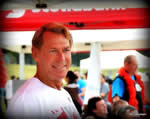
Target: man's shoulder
118, 76
29, 87
27, 93
118, 79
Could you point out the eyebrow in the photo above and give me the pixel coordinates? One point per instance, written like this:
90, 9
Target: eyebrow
56, 48
68, 47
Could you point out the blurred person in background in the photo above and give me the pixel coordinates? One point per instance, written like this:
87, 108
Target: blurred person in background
115, 107
109, 81
104, 90
81, 85
128, 112
128, 84
96, 109
72, 89
9, 88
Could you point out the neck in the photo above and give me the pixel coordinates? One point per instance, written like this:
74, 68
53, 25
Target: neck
51, 83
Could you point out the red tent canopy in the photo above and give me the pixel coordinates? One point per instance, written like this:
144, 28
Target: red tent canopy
94, 18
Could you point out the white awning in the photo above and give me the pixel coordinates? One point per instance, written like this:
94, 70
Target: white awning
110, 39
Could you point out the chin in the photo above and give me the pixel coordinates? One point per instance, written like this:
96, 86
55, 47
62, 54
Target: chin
61, 76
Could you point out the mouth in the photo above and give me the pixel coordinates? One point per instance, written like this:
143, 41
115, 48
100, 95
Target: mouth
63, 67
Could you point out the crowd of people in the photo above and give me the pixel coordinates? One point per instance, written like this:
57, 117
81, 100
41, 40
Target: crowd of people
124, 96
102, 107
47, 96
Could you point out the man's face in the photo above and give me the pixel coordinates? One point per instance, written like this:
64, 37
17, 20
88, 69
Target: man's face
54, 57
132, 66
101, 108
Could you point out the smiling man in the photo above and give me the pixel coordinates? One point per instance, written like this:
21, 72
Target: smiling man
43, 96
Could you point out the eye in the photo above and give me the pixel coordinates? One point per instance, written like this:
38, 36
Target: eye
52, 51
67, 49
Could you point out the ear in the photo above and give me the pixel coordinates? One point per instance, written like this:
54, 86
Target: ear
35, 54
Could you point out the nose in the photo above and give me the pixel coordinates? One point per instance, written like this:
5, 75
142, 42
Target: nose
61, 57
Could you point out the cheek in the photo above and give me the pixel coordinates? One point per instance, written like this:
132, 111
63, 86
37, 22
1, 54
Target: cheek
47, 57
133, 68
101, 109
45, 60
68, 58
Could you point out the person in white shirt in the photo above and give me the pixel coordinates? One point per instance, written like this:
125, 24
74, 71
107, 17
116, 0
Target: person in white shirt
42, 97
9, 90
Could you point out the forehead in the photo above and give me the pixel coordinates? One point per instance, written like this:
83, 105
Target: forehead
100, 102
52, 39
133, 60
